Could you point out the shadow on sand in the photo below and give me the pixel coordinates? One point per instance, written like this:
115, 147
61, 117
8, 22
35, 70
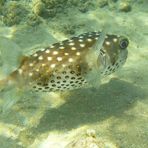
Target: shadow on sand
90, 106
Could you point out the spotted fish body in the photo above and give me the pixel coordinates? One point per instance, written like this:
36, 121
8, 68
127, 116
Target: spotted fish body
68, 64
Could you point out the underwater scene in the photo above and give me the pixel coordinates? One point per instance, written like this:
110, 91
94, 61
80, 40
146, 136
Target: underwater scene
73, 74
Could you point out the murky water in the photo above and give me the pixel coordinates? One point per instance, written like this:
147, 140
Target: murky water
112, 115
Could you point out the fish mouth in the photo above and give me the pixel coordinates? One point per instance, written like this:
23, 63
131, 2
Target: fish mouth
105, 59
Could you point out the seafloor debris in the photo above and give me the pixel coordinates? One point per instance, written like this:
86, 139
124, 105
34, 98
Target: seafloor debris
125, 7
33, 20
89, 140
13, 13
16, 12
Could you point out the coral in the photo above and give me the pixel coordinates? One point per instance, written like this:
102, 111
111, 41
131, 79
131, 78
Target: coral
26, 137
84, 7
54, 3
49, 8
69, 29
38, 7
2, 2
33, 20
55, 6
16, 11
44, 8
115, 5
125, 7
13, 13
89, 140
102, 3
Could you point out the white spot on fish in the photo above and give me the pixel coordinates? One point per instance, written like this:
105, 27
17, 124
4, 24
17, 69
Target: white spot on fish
107, 43
66, 53
115, 39
43, 65
37, 70
59, 58
89, 40
42, 49
35, 55
72, 43
49, 58
31, 64
97, 33
47, 51
81, 37
63, 65
55, 52
62, 47
80, 40
40, 58
73, 48
20, 71
30, 74
52, 65
70, 40
52, 46
77, 53
70, 60
82, 45
96, 38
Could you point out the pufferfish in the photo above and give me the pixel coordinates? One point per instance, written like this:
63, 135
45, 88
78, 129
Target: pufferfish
71, 64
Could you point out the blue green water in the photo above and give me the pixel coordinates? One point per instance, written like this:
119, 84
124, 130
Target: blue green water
117, 111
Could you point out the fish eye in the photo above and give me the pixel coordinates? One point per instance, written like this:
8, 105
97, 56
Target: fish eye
123, 43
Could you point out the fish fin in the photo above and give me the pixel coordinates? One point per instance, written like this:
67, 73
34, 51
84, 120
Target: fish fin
23, 59
99, 43
93, 77
8, 82
3, 84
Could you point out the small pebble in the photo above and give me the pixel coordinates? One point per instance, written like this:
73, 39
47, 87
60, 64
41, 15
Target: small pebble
125, 7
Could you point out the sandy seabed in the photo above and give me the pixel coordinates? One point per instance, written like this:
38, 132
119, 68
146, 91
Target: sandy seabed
117, 111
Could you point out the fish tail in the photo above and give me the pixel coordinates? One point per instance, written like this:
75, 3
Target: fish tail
7, 82
3, 84
8, 94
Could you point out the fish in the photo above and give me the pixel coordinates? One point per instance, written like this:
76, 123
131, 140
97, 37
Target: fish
74, 63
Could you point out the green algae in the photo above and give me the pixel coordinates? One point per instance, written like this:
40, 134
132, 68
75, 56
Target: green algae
2, 2
13, 13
